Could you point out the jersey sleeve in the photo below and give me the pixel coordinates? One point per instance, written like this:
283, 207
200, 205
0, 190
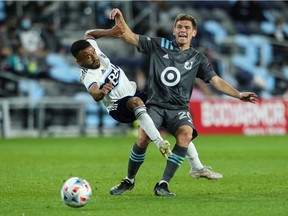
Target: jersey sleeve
206, 71
87, 78
94, 44
148, 44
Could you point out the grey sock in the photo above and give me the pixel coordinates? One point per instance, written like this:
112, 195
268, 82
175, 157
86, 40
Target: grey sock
173, 162
137, 157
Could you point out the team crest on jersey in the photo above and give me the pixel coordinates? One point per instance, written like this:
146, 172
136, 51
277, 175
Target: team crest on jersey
188, 65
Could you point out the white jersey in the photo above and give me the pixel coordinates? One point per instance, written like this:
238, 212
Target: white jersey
107, 72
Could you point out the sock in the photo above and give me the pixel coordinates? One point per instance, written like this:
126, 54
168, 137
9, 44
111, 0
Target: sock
137, 157
131, 180
173, 162
147, 124
162, 181
192, 156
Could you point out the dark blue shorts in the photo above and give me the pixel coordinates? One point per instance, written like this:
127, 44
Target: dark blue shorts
122, 114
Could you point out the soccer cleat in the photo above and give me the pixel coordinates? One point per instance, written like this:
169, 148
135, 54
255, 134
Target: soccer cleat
205, 172
162, 190
164, 148
124, 186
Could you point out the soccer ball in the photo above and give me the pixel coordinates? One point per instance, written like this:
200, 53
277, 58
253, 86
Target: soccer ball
76, 192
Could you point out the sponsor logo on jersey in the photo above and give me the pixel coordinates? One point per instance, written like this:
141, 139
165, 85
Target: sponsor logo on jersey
170, 76
113, 76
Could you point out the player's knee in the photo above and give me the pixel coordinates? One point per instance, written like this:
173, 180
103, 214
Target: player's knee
184, 134
135, 102
187, 137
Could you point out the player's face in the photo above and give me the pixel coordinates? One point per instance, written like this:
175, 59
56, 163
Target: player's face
88, 58
184, 32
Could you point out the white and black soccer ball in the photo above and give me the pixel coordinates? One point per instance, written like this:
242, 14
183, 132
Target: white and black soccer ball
76, 192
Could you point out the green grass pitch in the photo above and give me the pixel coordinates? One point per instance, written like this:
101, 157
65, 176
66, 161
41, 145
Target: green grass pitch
255, 182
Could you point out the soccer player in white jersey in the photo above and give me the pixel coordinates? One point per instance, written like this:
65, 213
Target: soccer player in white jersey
108, 83
174, 66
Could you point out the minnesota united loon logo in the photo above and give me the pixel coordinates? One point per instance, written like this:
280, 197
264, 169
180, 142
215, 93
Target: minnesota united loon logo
188, 65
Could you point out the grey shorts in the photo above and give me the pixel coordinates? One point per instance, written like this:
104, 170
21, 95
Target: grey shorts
171, 120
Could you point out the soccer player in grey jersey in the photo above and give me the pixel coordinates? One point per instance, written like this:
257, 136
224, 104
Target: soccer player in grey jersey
174, 65
175, 69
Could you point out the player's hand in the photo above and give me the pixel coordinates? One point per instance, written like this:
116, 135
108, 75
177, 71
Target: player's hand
117, 31
248, 97
115, 13
107, 88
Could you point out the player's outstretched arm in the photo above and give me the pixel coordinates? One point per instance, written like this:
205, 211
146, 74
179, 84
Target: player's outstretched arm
115, 31
224, 87
128, 35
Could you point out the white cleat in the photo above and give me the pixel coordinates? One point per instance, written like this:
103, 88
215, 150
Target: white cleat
205, 172
164, 148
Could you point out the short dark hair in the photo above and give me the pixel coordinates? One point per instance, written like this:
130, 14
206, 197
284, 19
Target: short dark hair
186, 17
77, 46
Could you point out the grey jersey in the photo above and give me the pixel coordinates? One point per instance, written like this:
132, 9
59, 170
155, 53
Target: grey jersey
172, 72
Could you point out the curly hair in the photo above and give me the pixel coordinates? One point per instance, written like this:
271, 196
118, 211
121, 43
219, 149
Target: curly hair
77, 46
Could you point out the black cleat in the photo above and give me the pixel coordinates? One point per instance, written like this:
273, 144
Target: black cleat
162, 190
124, 186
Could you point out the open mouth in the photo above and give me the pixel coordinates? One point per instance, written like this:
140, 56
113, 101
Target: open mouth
97, 62
181, 36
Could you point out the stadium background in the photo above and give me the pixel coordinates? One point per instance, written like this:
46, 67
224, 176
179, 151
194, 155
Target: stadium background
40, 94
